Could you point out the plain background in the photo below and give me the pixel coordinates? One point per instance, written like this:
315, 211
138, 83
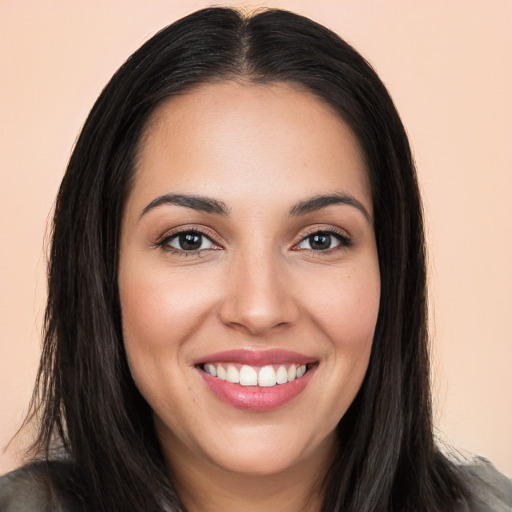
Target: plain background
447, 64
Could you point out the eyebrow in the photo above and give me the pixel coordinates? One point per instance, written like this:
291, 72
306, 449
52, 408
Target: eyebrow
216, 207
203, 204
319, 202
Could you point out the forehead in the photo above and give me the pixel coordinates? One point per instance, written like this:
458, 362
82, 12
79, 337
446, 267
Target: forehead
229, 139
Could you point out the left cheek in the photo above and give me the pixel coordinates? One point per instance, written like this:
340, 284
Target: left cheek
346, 306
346, 313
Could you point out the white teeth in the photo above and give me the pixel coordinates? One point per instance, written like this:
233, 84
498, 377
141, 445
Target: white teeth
209, 368
267, 377
282, 375
248, 376
221, 373
232, 375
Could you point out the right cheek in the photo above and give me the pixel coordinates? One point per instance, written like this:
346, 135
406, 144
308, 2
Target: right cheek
159, 313
162, 305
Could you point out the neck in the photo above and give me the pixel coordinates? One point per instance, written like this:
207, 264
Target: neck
249, 493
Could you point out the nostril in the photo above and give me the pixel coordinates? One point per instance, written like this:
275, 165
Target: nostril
257, 315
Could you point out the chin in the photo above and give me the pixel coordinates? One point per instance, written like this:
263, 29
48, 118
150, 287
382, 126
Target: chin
266, 453
259, 462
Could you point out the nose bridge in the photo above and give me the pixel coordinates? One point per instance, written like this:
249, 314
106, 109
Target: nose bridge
257, 297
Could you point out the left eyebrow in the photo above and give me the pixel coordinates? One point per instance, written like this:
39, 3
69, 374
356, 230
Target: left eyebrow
316, 203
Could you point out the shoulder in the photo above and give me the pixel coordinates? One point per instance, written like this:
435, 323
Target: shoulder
40, 487
491, 490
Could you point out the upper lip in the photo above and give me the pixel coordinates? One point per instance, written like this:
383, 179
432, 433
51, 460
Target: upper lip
256, 357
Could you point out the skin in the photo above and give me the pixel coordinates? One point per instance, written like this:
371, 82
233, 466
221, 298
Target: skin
255, 283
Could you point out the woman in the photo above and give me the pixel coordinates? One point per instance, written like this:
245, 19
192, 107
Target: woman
237, 310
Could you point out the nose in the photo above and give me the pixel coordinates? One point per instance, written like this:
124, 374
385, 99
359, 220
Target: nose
259, 295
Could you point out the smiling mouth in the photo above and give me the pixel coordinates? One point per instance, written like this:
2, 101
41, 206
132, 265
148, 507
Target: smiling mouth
261, 376
257, 381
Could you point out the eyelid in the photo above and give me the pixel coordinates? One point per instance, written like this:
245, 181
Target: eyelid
164, 239
340, 234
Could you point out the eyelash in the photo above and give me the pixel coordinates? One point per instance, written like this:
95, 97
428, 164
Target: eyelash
341, 237
164, 242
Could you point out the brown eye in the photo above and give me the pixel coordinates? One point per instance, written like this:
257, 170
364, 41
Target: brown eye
320, 242
190, 241
323, 241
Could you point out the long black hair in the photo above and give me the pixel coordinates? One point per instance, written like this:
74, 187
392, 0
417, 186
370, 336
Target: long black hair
85, 396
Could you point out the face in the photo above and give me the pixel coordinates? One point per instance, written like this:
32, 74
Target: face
249, 279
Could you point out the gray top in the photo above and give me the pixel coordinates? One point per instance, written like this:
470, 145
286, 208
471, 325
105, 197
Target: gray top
492, 490
28, 489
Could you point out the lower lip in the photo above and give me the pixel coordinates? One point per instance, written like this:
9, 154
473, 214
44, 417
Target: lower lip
257, 398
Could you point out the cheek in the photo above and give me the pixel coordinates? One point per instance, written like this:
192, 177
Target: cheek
342, 313
346, 306
157, 310
159, 314
346, 312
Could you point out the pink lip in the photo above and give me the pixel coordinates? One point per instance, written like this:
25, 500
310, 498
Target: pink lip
256, 357
256, 398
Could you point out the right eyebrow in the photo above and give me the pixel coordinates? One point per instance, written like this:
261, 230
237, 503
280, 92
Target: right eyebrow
201, 203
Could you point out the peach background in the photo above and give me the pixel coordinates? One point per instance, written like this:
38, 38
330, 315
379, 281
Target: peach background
447, 64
